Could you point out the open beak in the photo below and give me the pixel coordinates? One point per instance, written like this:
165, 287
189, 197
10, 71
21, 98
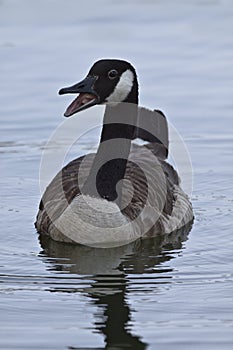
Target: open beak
87, 96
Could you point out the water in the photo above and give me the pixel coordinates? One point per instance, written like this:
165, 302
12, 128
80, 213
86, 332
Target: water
172, 294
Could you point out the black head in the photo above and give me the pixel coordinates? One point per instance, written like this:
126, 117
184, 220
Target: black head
108, 81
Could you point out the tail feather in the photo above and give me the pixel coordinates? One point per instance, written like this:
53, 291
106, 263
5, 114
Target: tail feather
153, 128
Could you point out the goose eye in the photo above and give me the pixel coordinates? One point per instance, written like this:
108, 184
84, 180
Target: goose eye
112, 73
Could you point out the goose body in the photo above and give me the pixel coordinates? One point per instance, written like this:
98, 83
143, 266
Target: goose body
124, 191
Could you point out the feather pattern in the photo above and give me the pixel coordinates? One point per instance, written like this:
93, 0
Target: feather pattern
160, 202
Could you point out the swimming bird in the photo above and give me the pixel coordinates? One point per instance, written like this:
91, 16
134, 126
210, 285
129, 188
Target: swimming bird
125, 190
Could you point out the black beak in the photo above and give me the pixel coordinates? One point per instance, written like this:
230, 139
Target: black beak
87, 95
85, 86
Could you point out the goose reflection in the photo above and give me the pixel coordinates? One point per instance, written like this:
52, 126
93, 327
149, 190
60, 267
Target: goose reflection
105, 275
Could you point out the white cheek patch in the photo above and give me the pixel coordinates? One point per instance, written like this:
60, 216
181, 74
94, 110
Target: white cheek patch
122, 88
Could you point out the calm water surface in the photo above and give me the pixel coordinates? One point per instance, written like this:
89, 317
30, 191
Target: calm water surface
171, 293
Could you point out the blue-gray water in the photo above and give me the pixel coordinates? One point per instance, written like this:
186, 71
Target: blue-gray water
151, 295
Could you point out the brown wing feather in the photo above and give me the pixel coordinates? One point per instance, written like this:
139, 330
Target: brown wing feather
66, 185
60, 192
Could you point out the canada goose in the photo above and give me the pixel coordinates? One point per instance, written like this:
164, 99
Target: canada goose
125, 190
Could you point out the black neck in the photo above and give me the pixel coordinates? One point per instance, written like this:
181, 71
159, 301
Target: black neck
109, 165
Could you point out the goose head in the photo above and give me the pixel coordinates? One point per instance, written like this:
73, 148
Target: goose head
108, 81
